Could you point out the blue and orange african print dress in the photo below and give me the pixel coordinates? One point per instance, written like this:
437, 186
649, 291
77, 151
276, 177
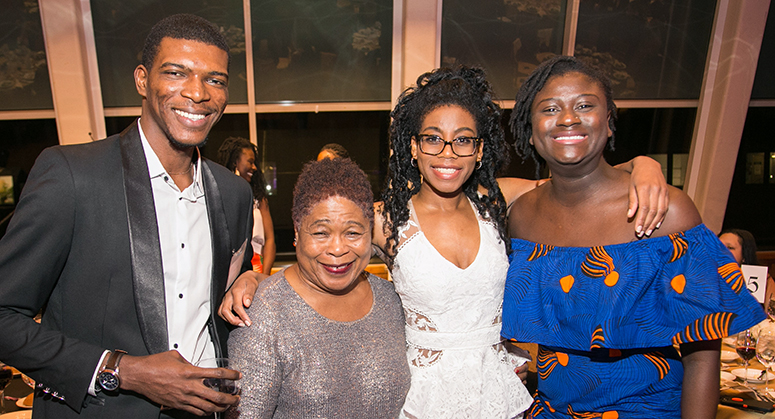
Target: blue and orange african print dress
607, 317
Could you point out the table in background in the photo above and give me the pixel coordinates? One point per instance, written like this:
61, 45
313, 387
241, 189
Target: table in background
16, 390
727, 412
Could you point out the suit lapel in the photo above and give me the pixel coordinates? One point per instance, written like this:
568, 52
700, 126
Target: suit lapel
219, 231
147, 272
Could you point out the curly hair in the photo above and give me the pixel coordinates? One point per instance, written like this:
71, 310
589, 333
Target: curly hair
320, 180
229, 153
747, 244
462, 86
521, 117
182, 26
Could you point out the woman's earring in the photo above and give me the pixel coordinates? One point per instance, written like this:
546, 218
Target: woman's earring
478, 165
294, 242
413, 162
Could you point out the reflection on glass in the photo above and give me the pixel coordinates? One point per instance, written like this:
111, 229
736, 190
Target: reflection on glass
24, 82
750, 205
21, 142
754, 168
657, 132
680, 166
508, 38
120, 28
662, 160
269, 169
288, 140
322, 51
650, 49
772, 167
764, 83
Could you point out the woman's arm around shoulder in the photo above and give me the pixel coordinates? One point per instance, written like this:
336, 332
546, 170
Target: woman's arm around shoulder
512, 188
649, 197
682, 214
269, 251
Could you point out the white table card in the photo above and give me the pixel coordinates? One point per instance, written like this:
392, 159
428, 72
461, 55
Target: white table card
755, 280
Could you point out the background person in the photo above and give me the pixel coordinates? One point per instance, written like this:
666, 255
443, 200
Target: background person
239, 155
332, 151
328, 340
742, 245
127, 242
605, 307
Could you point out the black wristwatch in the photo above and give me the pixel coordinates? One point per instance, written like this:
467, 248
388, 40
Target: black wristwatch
108, 378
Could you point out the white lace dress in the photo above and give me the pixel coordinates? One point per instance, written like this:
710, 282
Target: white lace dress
460, 368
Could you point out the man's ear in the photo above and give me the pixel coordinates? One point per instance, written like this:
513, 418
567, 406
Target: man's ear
141, 79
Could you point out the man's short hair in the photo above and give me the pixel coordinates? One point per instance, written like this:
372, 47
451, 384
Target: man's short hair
182, 26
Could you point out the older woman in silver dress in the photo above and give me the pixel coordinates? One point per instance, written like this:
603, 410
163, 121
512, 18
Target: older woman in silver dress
328, 338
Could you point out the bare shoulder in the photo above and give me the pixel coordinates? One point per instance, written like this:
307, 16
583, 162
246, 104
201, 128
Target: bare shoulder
512, 188
521, 213
681, 215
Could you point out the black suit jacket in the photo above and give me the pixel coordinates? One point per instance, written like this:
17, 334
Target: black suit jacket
84, 243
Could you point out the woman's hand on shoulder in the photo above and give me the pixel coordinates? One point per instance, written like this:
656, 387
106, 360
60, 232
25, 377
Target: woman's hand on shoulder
648, 194
243, 289
682, 214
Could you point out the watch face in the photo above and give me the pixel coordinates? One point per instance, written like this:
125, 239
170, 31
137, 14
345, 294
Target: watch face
108, 381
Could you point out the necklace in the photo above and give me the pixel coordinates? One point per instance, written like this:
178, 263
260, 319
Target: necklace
183, 173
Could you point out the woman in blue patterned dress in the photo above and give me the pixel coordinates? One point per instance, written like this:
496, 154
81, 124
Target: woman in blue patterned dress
607, 308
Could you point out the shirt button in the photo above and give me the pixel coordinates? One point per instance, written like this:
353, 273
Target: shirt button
182, 245
166, 178
175, 346
180, 295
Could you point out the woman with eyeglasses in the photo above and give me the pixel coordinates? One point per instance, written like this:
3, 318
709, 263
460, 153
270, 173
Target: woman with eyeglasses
442, 230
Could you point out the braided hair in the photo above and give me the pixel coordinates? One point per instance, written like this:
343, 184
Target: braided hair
229, 153
461, 86
521, 117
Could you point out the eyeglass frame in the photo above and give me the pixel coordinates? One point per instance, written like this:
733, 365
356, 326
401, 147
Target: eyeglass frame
418, 139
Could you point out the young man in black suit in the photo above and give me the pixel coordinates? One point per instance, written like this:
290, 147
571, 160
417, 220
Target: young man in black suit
129, 244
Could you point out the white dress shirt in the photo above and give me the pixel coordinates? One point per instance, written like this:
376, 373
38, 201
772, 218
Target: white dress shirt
186, 257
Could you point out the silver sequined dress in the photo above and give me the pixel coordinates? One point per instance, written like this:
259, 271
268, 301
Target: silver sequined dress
298, 364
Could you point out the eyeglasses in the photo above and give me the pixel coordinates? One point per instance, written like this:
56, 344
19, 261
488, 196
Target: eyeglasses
433, 145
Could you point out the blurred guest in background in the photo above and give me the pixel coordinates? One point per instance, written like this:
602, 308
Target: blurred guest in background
239, 155
328, 338
742, 245
332, 151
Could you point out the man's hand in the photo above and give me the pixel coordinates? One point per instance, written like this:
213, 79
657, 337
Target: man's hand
171, 381
243, 289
